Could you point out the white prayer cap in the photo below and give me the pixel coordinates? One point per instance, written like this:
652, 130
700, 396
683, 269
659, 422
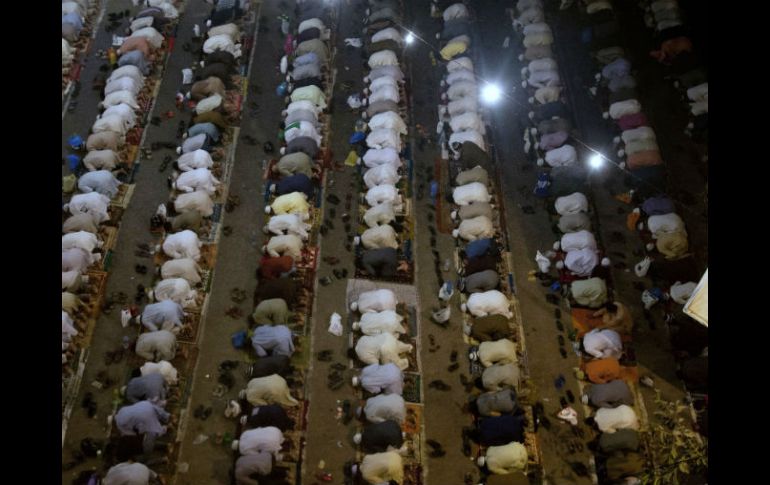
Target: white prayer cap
178, 150
455, 233
464, 307
453, 215
234, 445
636, 211
540, 162
557, 245
605, 262
244, 418
357, 438
272, 188
264, 249
354, 306
282, 150
268, 209
560, 265
481, 461
242, 394
356, 325
208, 23
266, 229
355, 381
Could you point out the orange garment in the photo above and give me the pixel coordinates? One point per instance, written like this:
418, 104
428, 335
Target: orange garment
672, 48
272, 268
631, 220
601, 371
136, 44
646, 158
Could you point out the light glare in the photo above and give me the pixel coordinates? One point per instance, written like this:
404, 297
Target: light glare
491, 93
596, 161
409, 38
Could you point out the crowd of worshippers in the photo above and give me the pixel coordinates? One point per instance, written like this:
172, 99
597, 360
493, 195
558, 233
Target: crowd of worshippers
143, 422
378, 347
378, 146
499, 421
280, 294
76, 18
100, 168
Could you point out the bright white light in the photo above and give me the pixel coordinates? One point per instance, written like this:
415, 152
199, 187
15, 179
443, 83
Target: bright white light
491, 93
596, 161
409, 38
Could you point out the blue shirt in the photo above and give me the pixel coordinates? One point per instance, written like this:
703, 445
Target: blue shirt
298, 182
658, 206
501, 430
479, 247
72, 18
208, 128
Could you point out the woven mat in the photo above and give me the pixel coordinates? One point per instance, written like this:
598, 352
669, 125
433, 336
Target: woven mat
125, 191
189, 333
412, 382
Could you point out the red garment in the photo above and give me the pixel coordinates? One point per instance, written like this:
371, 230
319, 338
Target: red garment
272, 268
672, 48
646, 158
629, 122
288, 46
601, 371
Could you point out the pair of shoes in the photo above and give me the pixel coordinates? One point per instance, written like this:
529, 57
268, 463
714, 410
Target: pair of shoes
439, 385
453, 367
437, 449
140, 268
324, 356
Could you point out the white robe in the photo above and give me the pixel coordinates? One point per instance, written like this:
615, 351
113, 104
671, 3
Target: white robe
389, 120
288, 224
603, 344
383, 58
383, 407
122, 84
185, 268
288, 245
375, 301
195, 160
379, 156
501, 351
197, 179
195, 201
183, 244
380, 322
610, 420
571, 204
92, 203
177, 290
491, 302
271, 389
577, 240
383, 236
379, 214
470, 193
480, 227
385, 174
384, 193
384, 138
118, 97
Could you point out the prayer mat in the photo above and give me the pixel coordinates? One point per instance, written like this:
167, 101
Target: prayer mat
189, 332
97, 281
412, 391
413, 422
413, 474
125, 191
